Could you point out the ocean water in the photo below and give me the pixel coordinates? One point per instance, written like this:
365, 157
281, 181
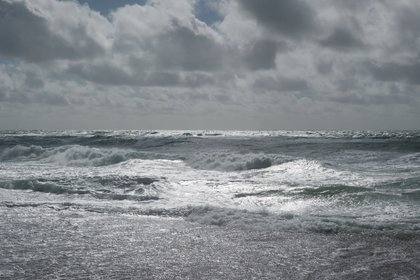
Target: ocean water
292, 182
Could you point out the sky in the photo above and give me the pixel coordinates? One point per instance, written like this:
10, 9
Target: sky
221, 64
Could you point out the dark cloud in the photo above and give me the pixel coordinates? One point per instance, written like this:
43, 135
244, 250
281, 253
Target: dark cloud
294, 84
108, 74
262, 55
342, 39
176, 48
40, 98
392, 71
200, 79
161, 79
222, 98
352, 5
281, 84
373, 99
185, 49
102, 73
26, 35
347, 84
52, 99
32, 81
291, 18
18, 97
407, 22
324, 67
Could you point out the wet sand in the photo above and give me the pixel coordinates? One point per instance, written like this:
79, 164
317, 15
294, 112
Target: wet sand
47, 243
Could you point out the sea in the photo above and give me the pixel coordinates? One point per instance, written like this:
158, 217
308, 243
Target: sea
209, 204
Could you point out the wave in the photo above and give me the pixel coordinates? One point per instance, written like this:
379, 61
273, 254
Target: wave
128, 192
117, 196
70, 155
304, 172
414, 194
122, 181
137, 139
138, 142
37, 186
86, 156
250, 220
331, 190
408, 159
20, 152
229, 161
296, 222
321, 191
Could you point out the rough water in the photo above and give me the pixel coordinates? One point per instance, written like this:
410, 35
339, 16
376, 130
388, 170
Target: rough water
334, 185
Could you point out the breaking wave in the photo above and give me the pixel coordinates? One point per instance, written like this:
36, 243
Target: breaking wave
118, 191
37, 186
303, 172
264, 220
76, 155
20, 152
234, 162
71, 155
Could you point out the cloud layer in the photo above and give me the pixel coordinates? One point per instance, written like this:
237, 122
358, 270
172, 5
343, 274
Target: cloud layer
269, 64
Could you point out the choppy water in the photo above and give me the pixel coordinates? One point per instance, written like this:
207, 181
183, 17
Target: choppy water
316, 181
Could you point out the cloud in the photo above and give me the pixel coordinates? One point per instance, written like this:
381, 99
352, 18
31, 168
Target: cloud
102, 73
153, 45
291, 18
37, 33
276, 62
185, 49
373, 99
2, 96
393, 71
342, 39
262, 55
39, 98
280, 84
33, 81
112, 75
407, 21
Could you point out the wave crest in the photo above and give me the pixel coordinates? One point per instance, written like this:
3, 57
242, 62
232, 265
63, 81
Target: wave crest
70, 155
234, 162
21, 152
135, 189
37, 186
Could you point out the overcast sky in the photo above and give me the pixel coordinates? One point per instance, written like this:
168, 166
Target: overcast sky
220, 64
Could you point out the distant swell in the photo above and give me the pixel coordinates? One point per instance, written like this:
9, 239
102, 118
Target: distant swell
141, 139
